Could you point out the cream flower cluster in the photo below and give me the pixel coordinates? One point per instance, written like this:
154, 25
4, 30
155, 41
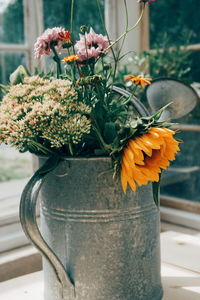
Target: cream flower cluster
44, 111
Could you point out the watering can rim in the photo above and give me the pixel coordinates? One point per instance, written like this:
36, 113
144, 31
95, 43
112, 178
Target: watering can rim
79, 158
172, 79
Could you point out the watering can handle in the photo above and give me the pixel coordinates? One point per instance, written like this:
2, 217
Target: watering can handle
29, 224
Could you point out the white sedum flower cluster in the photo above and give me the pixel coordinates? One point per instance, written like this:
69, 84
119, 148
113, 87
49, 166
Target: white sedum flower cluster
44, 111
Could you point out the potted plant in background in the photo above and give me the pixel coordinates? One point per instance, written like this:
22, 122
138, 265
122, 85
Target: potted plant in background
99, 151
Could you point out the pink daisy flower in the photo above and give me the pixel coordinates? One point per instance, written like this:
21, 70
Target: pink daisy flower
43, 43
91, 45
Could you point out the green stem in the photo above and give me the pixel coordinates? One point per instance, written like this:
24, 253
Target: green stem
101, 141
97, 130
71, 16
71, 149
78, 68
57, 59
103, 23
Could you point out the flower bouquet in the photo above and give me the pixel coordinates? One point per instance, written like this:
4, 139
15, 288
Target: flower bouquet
78, 116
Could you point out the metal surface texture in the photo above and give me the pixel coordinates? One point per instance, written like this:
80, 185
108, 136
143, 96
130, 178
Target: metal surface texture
107, 242
163, 91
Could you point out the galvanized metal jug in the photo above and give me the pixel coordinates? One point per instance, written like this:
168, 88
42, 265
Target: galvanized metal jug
98, 243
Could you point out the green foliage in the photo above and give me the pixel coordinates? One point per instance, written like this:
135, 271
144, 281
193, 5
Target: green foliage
85, 13
179, 22
18, 75
176, 18
172, 62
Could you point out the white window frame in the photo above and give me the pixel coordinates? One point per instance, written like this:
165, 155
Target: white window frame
137, 39
33, 26
11, 234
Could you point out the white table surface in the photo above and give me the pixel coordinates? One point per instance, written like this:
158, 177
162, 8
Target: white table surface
180, 272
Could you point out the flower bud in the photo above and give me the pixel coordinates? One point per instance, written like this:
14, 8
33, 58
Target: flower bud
83, 29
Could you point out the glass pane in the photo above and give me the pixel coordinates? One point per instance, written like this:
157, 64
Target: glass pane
8, 63
14, 165
11, 21
184, 181
175, 23
177, 19
85, 13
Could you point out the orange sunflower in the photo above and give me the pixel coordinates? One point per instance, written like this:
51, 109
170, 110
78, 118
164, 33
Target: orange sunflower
146, 156
138, 80
69, 58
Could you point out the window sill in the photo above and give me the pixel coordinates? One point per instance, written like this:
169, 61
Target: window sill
180, 217
180, 251
19, 262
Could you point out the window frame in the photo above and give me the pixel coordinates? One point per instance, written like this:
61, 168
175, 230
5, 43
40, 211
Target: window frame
12, 235
33, 10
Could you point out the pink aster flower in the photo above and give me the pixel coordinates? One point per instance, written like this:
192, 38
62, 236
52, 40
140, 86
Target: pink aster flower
43, 43
91, 45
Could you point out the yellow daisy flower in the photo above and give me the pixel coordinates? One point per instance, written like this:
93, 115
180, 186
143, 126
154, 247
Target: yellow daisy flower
146, 156
139, 80
69, 58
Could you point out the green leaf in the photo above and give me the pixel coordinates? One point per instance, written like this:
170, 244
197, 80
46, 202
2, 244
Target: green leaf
38, 148
99, 152
18, 75
158, 114
49, 165
156, 188
109, 132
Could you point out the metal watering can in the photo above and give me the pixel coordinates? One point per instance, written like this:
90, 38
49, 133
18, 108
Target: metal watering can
97, 242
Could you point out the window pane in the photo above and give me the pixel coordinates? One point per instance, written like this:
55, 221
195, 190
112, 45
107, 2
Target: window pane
178, 19
8, 63
175, 23
184, 181
11, 21
85, 13
14, 165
